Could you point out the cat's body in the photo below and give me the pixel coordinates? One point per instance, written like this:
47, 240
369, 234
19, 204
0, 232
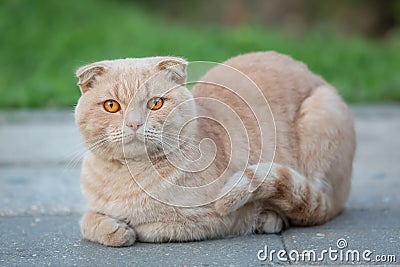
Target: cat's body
306, 146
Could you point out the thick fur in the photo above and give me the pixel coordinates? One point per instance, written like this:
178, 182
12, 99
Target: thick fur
291, 165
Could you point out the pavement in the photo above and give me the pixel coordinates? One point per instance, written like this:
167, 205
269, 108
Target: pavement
41, 203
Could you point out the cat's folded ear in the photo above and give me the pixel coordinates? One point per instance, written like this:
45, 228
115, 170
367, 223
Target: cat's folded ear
175, 68
87, 75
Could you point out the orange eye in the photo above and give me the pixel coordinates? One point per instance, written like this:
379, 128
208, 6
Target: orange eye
111, 106
155, 103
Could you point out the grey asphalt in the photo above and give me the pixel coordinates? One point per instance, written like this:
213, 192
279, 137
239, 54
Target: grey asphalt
40, 205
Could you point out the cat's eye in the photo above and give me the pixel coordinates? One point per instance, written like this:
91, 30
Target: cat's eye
155, 103
111, 106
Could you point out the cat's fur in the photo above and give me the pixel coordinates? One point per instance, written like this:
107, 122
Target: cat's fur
306, 146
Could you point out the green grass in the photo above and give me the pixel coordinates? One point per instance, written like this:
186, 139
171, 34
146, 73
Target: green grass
43, 42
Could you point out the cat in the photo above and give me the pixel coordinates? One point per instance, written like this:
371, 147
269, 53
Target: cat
260, 143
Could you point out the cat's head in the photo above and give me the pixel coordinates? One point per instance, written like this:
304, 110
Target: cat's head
133, 107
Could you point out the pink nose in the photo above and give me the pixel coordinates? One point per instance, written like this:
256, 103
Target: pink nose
134, 125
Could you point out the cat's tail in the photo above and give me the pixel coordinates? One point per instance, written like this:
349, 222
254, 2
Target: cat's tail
303, 201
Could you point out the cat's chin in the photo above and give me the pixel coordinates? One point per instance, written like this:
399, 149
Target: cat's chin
131, 140
138, 150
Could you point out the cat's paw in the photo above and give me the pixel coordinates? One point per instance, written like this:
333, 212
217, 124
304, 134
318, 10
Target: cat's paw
269, 222
117, 234
106, 230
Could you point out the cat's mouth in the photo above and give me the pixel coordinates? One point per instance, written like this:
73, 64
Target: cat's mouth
132, 138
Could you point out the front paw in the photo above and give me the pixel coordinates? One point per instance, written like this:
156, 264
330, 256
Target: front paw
269, 222
106, 230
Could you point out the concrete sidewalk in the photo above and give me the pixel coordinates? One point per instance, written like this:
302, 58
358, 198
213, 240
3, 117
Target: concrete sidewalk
40, 204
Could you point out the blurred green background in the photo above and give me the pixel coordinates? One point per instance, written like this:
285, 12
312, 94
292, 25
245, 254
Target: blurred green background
355, 45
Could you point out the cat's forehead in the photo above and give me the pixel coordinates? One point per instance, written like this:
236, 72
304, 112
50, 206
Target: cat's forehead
135, 64
138, 80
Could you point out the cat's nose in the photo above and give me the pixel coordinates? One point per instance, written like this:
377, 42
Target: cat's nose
134, 125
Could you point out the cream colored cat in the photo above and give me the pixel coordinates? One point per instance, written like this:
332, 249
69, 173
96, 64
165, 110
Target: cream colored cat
260, 143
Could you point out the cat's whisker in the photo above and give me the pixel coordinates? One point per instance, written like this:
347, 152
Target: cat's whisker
116, 133
186, 147
183, 143
77, 155
185, 152
75, 159
96, 146
78, 152
180, 137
